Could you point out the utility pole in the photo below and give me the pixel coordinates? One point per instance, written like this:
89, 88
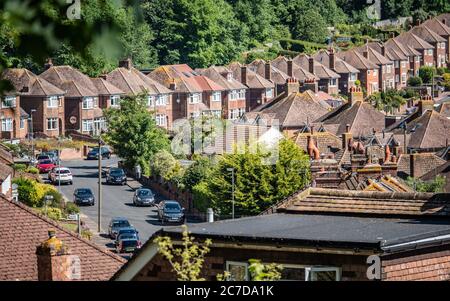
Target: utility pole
232, 191
99, 181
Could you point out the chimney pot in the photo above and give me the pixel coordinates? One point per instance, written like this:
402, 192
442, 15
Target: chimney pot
268, 71
332, 59
292, 86
311, 65
127, 63
289, 68
244, 75
48, 64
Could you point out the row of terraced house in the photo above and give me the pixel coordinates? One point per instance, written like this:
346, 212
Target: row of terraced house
62, 99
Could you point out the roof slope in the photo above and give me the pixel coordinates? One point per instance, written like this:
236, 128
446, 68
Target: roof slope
319, 70
301, 74
429, 131
277, 76
395, 44
412, 40
133, 82
22, 78
323, 57
374, 56
425, 33
61, 76
22, 230
105, 88
424, 163
254, 80
219, 74
357, 60
437, 26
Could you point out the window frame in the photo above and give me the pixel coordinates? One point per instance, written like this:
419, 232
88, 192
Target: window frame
52, 121
238, 263
195, 98
214, 96
88, 100
161, 117
114, 100
87, 121
52, 102
8, 99
271, 93
7, 125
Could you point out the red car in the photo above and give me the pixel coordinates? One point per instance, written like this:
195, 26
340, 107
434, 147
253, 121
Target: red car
45, 165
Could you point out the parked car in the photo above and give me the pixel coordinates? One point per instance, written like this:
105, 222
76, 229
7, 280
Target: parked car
53, 154
126, 233
45, 165
116, 176
43, 156
116, 224
144, 197
93, 153
128, 245
171, 212
83, 196
60, 175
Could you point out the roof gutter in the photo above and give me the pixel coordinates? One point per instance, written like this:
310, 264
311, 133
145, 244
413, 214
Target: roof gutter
416, 244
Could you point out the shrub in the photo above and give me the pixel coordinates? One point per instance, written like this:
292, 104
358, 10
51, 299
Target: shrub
32, 170
86, 234
427, 73
442, 70
446, 82
19, 167
357, 83
71, 208
28, 192
415, 81
54, 213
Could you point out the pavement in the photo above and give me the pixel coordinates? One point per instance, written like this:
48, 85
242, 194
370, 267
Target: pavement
116, 201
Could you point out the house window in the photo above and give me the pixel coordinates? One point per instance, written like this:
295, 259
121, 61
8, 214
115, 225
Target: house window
229, 76
396, 64
236, 113
115, 100
403, 78
9, 102
238, 271
333, 82
397, 78
88, 103
368, 72
241, 111
388, 68
216, 96
22, 123
269, 93
87, 125
52, 102
403, 64
7, 125
150, 101
242, 94
160, 119
52, 124
216, 113
353, 76
99, 124
161, 100
322, 274
418, 59
375, 72
195, 98
430, 51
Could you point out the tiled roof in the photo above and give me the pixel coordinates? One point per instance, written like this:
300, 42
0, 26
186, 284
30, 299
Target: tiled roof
427, 34
301, 74
443, 171
5, 155
437, 26
412, 40
385, 183
293, 110
219, 75
254, 80
277, 76
105, 88
315, 200
395, 44
424, 163
319, 70
444, 109
323, 57
357, 60
323, 141
68, 78
444, 18
133, 82
21, 78
5, 171
361, 116
22, 230
374, 56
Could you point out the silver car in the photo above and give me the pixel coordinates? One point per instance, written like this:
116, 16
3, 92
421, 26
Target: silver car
144, 197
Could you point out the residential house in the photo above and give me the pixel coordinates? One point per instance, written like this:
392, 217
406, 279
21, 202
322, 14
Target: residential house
233, 98
444, 18
438, 42
133, 82
26, 232
193, 94
317, 235
307, 80
291, 111
260, 90
368, 71
348, 74
441, 29
108, 94
394, 46
417, 165
425, 49
328, 79
271, 73
37, 99
82, 111
386, 69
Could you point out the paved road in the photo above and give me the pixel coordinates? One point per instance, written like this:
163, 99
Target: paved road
117, 200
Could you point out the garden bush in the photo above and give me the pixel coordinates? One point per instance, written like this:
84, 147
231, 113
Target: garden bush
19, 167
415, 81
32, 170
71, 208
54, 213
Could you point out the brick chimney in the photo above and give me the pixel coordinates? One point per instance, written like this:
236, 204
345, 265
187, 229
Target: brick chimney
126, 63
289, 68
366, 53
268, 71
332, 59
173, 85
412, 163
103, 76
311, 65
356, 94
244, 75
292, 86
346, 137
383, 50
425, 103
48, 64
54, 261
310, 84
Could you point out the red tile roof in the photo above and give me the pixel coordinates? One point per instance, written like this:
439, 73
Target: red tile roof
21, 78
22, 230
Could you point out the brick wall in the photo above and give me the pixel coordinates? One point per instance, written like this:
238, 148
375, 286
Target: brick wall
425, 264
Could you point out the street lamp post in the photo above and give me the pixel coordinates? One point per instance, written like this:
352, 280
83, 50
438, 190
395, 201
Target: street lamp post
32, 133
232, 191
59, 164
99, 217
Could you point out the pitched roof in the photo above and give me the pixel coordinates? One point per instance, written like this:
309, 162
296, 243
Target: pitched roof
444, 18
319, 70
277, 76
413, 41
323, 57
361, 116
443, 171
301, 74
254, 80
293, 110
437, 26
425, 33
374, 56
444, 109
394, 44
6, 155
424, 163
5, 171
219, 75
357, 60
22, 78
133, 82
105, 88
22, 230
323, 141
67, 77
